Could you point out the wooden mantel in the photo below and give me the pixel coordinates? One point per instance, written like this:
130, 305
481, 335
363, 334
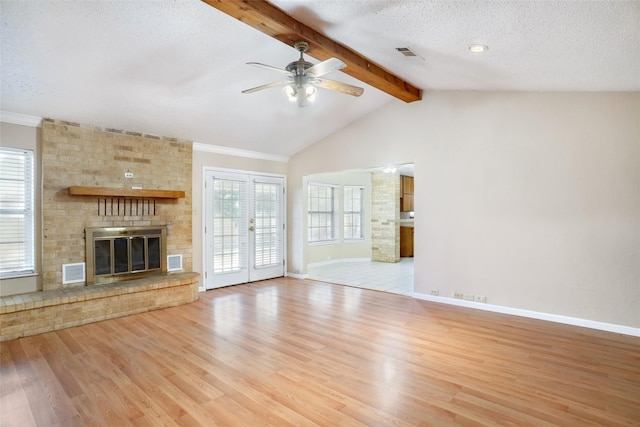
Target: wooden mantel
125, 192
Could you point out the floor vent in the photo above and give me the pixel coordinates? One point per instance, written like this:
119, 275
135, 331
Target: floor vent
73, 273
174, 262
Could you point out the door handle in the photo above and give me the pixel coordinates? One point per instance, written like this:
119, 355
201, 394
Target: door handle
252, 228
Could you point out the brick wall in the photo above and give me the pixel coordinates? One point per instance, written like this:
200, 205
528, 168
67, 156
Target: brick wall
385, 217
74, 154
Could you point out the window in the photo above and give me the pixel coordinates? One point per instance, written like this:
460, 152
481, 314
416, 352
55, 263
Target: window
321, 213
16, 212
353, 213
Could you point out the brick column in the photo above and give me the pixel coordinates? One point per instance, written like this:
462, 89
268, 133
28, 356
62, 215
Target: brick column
385, 217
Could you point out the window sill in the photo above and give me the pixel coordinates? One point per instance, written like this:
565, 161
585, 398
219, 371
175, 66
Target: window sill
323, 243
7, 276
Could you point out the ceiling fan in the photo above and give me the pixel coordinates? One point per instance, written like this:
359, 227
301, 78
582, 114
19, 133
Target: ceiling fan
304, 78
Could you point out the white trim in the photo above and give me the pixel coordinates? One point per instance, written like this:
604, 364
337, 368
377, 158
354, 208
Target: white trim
609, 327
296, 276
20, 119
337, 261
217, 149
351, 241
322, 184
324, 242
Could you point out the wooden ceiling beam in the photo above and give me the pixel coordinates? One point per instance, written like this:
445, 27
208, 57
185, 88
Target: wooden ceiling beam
276, 23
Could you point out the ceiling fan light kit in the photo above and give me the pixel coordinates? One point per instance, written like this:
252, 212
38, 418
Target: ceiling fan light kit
304, 78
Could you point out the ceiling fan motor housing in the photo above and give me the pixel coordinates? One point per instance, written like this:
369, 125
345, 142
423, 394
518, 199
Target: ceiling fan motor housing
305, 76
298, 67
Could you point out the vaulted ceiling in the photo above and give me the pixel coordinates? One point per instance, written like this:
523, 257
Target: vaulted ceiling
178, 68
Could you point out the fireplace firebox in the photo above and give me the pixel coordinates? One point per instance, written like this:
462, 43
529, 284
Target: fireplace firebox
121, 253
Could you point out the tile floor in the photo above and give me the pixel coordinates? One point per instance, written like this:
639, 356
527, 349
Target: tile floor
382, 276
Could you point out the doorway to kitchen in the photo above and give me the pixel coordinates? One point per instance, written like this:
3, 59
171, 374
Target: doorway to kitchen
373, 261
244, 228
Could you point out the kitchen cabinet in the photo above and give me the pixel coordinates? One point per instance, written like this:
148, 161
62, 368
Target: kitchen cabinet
406, 193
406, 242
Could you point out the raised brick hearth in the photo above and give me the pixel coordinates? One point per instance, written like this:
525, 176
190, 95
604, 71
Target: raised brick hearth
38, 312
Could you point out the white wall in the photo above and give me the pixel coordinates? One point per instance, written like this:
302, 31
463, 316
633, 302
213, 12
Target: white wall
531, 199
26, 137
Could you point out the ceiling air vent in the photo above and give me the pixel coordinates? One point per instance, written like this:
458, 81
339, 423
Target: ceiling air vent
406, 51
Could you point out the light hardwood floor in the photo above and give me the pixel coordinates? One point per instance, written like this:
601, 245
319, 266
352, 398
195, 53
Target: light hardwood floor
289, 352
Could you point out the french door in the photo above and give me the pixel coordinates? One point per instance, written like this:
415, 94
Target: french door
244, 228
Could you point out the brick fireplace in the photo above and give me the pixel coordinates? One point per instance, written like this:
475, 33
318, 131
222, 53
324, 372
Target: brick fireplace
82, 156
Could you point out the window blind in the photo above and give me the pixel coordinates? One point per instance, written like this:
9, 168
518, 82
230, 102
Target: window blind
16, 212
321, 213
353, 212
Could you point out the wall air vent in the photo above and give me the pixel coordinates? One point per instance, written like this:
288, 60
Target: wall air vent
174, 262
73, 273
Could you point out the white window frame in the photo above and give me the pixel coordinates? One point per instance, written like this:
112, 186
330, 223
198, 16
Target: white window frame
352, 213
329, 214
17, 200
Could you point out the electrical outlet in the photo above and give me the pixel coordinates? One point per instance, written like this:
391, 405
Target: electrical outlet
458, 295
481, 298
468, 297
435, 292
128, 174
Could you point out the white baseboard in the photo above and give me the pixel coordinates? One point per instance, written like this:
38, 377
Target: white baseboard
297, 276
337, 261
620, 329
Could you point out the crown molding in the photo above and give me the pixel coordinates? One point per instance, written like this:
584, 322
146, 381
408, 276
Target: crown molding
217, 149
20, 119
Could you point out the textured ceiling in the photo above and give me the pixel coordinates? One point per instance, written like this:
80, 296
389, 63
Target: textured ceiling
177, 68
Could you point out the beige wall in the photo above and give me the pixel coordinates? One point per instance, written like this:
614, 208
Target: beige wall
18, 136
202, 160
530, 199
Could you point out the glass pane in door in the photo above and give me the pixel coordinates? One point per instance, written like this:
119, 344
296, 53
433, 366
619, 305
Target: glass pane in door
227, 226
268, 226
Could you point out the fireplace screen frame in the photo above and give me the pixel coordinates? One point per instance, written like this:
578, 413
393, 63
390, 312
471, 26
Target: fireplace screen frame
128, 235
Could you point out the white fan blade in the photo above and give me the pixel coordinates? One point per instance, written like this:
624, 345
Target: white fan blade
325, 67
338, 86
270, 67
267, 86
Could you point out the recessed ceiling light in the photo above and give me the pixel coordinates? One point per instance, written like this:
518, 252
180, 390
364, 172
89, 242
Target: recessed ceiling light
478, 48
